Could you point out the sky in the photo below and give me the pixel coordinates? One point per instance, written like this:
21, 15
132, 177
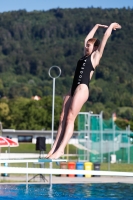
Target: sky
30, 5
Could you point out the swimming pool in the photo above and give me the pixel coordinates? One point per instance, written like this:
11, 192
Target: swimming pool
95, 191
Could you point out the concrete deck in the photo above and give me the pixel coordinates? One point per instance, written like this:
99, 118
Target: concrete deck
64, 180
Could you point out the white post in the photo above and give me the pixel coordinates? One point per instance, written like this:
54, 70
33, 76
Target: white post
52, 133
101, 130
113, 138
49, 72
128, 144
0, 129
27, 174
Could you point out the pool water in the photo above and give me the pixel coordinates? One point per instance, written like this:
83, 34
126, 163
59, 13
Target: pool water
95, 191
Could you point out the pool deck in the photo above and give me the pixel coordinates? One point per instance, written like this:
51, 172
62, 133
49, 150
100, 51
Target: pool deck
64, 180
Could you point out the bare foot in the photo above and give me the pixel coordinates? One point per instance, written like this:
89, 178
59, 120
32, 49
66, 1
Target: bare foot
50, 152
56, 155
48, 155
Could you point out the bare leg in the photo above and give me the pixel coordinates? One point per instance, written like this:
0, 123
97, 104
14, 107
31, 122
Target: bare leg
79, 98
61, 128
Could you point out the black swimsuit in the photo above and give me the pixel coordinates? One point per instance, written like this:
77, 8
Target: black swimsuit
82, 73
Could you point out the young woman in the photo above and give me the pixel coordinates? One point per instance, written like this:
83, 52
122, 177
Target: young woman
79, 93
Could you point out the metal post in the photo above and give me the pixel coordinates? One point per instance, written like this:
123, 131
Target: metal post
49, 72
52, 133
113, 138
50, 175
128, 144
108, 154
0, 129
27, 174
86, 152
101, 130
88, 137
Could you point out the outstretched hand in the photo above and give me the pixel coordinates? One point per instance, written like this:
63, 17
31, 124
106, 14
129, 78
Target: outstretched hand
102, 26
115, 26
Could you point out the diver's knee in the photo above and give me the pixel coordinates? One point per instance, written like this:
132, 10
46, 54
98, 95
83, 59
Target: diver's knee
70, 117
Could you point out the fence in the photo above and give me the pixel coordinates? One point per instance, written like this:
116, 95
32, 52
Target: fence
101, 140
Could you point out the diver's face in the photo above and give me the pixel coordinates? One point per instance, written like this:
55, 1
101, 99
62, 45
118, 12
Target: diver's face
89, 48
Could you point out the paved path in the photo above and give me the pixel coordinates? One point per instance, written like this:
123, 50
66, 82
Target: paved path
65, 180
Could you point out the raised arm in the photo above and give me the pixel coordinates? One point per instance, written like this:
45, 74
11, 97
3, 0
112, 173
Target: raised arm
92, 32
107, 34
99, 52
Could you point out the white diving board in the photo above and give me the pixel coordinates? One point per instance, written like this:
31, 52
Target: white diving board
31, 160
51, 160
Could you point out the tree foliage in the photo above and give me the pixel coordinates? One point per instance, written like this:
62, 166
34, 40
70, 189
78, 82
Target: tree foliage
32, 42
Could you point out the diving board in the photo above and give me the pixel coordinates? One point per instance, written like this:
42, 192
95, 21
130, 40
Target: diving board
51, 160
32, 160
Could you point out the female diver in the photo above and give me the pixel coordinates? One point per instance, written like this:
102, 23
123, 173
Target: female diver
79, 93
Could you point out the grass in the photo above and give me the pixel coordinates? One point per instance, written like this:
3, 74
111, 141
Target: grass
31, 148
22, 148
120, 167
